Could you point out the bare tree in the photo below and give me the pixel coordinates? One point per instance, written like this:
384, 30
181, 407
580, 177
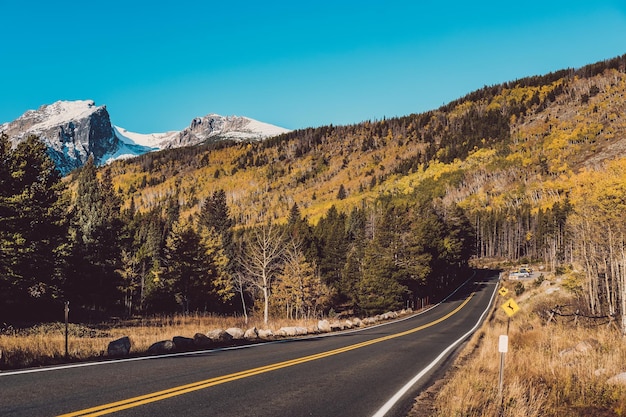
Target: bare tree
239, 284
260, 261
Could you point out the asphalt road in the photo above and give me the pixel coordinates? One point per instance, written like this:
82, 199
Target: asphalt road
355, 373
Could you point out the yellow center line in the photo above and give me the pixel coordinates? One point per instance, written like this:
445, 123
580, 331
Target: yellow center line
184, 389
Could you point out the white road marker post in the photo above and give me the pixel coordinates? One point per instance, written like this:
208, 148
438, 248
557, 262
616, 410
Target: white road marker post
503, 347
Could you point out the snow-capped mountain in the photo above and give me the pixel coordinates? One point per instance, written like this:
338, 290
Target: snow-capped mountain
72, 130
76, 130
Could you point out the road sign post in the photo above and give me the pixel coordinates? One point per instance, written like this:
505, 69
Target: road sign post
67, 314
510, 307
503, 347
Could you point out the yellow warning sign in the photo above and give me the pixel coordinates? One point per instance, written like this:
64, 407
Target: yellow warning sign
510, 307
503, 291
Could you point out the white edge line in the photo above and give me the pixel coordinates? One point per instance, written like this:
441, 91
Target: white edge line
393, 400
200, 352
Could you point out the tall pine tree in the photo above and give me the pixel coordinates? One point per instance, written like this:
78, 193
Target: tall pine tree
33, 228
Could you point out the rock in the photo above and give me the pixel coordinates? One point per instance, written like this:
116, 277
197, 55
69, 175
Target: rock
389, 315
348, 324
251, 334
323, 326
219, 335
235, 332
119, 347
288, 331
619, 379
183, 343
580, 348
301, 331
164, 346
336, 326
202, 341
265, 333
357, 322
587, 345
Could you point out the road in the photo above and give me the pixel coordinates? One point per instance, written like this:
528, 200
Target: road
355, 373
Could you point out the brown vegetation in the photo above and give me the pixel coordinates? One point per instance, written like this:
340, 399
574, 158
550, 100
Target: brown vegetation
563, 368
45, 344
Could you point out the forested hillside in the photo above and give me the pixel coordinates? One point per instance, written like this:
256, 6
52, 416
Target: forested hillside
366, 217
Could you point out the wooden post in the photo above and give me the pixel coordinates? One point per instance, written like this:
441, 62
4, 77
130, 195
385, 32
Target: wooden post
67, 313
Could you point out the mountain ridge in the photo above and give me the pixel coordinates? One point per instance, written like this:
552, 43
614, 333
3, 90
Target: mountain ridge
77, 130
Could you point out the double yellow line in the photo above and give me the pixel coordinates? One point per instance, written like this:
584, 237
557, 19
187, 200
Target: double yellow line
184, 389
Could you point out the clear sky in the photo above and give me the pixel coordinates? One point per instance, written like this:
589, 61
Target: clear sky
296, 64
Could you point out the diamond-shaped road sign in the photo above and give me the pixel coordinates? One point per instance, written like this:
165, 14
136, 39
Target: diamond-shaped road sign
510, 307
503, 291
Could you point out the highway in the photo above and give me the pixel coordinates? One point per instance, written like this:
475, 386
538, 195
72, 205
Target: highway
377, 371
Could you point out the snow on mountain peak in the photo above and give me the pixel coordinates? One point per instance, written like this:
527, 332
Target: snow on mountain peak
57, 113
75, 130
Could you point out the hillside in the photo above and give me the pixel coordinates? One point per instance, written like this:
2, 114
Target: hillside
517, 142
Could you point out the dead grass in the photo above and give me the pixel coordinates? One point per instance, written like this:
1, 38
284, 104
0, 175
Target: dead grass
45, 344
560, 369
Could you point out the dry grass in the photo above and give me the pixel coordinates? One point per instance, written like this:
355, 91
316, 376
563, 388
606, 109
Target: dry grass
560, 369
45, 344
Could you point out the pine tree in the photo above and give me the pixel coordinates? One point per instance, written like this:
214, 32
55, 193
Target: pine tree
97, 229
330, 232
33, 227
378, 290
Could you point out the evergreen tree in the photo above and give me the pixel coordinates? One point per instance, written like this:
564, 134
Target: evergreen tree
97, 229
299, 230
378, 290
330, 232
352, 272
215, 216
33, 227
196, 268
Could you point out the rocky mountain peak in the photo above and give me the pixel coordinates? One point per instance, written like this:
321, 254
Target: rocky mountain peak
72, 130
76, 130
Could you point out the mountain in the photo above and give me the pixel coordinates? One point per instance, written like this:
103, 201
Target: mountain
72, 130
77, 130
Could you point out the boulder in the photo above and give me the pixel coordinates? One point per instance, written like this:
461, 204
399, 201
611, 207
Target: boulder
219, 335
119, 347
288, 331
251, 334
323, 326
202, 341
619, 379
357, 322
302, 331
336, 326
183, 343
164, 346
235, 332
265, 333
587, 345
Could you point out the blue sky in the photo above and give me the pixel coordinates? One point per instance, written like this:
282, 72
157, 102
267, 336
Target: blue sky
157, 65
